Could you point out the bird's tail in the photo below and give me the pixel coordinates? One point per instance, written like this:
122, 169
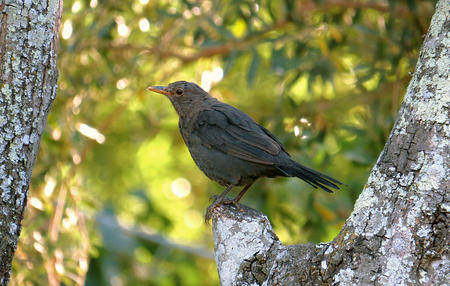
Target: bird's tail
312, 177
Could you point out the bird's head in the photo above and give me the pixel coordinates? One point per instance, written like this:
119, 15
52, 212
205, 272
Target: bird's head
186, 97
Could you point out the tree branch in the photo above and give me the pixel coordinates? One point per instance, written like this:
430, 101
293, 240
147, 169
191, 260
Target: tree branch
28, 80
398, 231
240, 237
183, 54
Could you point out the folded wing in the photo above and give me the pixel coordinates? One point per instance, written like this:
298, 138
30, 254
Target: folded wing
229, 130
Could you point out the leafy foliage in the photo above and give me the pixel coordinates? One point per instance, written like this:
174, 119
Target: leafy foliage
116, 198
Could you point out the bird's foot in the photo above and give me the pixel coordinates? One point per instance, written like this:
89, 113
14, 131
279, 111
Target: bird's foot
212, 208
232, 202
215, 198
219, 200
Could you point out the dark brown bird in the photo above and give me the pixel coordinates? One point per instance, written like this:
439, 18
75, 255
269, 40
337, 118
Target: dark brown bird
229, 146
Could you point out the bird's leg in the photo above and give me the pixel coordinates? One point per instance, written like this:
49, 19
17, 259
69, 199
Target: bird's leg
218, 200
235, 201
223, 200
241, 193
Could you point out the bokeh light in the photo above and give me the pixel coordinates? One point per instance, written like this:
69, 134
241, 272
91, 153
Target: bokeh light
67, 30
181, 187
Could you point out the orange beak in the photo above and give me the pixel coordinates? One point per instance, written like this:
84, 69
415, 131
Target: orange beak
159, 89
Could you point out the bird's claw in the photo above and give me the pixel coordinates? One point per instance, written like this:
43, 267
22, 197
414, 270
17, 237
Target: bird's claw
209, 212
218, 200
232, 202
214, 198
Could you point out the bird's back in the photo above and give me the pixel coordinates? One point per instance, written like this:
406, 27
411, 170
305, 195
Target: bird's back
229, 146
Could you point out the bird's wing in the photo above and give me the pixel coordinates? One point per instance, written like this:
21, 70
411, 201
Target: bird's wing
231, 131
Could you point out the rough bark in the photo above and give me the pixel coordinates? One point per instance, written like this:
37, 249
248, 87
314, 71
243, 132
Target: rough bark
28, 81
398, 231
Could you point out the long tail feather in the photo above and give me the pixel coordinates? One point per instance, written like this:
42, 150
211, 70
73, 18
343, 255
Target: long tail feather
312, 177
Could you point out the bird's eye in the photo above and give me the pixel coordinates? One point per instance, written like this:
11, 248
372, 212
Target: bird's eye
179, 91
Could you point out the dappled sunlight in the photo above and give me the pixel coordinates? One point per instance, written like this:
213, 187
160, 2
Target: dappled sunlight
122, 83
67, 29
181, 187
36, 203
49, 186
211, 77
90, 132
122, 28
76, 7
144, 24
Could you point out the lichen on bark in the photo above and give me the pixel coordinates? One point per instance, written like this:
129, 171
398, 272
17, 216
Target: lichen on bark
28, 80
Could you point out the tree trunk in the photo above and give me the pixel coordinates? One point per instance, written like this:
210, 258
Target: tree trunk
398, 231
28, 81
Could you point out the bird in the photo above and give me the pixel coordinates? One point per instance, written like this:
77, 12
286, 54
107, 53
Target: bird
229, 146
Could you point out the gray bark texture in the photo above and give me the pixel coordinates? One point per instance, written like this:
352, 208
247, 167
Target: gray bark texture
28, 81
398, 232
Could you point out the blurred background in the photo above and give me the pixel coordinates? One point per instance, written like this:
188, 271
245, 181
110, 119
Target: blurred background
115, 197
